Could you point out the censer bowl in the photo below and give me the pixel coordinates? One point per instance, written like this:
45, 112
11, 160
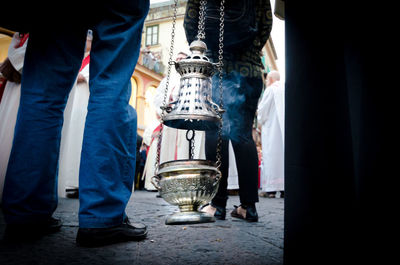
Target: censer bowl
188, 184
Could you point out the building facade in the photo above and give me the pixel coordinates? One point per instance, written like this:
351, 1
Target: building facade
154, 56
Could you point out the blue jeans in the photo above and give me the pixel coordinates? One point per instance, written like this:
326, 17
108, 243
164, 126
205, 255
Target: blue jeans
108, 157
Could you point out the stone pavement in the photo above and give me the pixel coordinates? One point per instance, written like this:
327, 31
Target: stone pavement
231, 241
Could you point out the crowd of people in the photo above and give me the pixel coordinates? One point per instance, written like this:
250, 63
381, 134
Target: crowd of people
73, 126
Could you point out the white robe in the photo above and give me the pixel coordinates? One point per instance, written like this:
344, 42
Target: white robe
149, 167
72, 134
271, 117
233, 176
9, 107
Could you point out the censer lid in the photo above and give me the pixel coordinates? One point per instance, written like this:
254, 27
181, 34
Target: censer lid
194, 109
197, 63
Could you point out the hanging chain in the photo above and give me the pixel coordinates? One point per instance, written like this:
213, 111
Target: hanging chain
164, 103
201, 35
190, 135
220, 74
202, 16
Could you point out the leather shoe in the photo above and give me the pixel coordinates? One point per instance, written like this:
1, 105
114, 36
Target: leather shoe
30, 231
220, 213
96, 237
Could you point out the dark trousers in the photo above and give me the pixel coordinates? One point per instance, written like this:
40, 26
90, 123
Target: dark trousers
240, 99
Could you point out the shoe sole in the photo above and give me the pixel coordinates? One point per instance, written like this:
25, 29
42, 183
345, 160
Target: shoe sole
108, 240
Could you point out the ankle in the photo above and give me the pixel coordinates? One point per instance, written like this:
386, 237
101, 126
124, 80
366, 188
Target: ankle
248, 205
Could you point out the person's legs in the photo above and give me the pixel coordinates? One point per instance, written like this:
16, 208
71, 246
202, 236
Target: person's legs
247, 167
108, 152
241, 124
51, 65
221, 197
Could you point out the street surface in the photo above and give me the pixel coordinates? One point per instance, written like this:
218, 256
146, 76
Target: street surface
231, 241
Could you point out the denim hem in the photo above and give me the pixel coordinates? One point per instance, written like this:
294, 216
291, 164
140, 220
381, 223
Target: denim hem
93, 222
25, 219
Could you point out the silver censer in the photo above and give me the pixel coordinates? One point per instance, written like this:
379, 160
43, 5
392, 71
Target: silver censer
191, 183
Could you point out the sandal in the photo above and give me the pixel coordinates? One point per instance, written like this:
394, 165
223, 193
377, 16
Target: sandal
220, 212
251, 213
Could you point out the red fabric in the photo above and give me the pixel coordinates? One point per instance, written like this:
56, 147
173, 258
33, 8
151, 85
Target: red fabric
259, 168
147, 150
3, 82
24, 38
154, 135
85, 62
176, 147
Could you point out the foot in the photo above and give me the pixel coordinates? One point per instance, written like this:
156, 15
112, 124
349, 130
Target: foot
216, 211
96, 237
248, 213
209, 209
30, 231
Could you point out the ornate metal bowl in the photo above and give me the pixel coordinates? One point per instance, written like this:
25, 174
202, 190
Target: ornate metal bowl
188, 184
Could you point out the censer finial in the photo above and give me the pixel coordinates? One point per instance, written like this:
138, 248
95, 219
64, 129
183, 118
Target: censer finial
198, 46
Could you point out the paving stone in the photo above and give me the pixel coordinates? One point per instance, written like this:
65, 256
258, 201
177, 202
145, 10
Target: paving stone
231, 241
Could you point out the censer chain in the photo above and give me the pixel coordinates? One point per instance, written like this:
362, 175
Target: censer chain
164, 103
202, 15
220, 75
200, 35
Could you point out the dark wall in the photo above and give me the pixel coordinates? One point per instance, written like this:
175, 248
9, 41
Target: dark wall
339, 138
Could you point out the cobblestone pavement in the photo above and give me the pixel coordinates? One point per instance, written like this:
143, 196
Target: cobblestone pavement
231, 241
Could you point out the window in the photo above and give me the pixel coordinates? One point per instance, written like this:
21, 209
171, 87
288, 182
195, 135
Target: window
149, 108
132, 100
152, 35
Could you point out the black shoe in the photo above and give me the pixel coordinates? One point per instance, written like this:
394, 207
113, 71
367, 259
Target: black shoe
72, 192
220, 212
96, 237
251, 213
30, 231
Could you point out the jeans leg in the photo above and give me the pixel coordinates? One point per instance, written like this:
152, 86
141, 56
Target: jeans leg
52, 63
109, 146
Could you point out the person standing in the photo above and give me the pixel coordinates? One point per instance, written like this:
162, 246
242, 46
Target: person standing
107, 167
72, 130
271, 118
247, 27
11, 69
